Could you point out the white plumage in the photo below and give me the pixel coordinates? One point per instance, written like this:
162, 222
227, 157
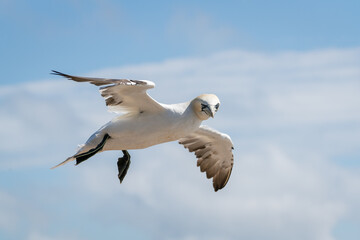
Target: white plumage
146, 122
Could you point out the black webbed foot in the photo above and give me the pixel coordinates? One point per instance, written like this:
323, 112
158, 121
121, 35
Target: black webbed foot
123, 165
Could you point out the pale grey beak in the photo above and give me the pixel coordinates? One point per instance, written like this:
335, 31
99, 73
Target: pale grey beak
209, 111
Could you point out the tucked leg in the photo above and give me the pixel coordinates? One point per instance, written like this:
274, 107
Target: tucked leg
123, 165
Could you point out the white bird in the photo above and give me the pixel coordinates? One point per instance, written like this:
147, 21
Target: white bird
147, 122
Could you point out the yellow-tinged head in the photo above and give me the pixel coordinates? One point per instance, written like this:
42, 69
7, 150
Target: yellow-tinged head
205, 106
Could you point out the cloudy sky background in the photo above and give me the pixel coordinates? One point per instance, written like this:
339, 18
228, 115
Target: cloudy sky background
288, 77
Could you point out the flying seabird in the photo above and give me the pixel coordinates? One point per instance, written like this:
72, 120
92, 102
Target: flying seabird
146, 122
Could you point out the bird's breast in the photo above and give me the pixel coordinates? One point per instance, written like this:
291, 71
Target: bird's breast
147, 130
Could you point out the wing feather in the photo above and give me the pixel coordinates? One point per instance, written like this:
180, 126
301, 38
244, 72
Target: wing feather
213, 170
122, 95
214, 153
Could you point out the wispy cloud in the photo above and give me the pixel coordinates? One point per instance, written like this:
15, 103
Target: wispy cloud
291, 115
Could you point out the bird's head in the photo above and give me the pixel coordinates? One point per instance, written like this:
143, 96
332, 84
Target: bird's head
205, 106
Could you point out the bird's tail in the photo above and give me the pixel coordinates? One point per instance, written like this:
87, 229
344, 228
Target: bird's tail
69, 159
82, 156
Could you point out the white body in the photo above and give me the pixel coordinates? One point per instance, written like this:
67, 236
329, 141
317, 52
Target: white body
142, 130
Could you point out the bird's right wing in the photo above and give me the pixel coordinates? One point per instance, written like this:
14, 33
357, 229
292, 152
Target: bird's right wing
122, 95
214, 153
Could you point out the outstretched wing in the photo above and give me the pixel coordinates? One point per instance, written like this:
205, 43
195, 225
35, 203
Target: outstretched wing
122, 95
214, 153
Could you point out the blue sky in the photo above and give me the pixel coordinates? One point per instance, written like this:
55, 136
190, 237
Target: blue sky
79, 36
287, 74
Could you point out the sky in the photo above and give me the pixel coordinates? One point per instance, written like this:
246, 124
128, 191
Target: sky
287, 75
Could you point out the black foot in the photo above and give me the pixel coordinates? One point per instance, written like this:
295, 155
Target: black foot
123, 165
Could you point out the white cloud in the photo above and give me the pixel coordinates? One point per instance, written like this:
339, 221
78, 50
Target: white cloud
41, 236
289, 114
280, 195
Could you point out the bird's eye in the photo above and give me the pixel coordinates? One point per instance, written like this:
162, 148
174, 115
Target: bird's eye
217, 106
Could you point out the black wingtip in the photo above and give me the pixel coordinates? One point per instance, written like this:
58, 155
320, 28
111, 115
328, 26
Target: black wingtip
60, 74
56, 73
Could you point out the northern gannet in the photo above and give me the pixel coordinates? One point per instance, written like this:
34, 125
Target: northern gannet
146, 122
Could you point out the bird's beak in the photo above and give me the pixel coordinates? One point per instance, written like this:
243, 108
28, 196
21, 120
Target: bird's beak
210, 111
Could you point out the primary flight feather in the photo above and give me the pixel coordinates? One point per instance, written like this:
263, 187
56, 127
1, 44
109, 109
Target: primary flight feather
146, 122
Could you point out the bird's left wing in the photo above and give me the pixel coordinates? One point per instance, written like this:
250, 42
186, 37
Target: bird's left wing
214, 153
122, 95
